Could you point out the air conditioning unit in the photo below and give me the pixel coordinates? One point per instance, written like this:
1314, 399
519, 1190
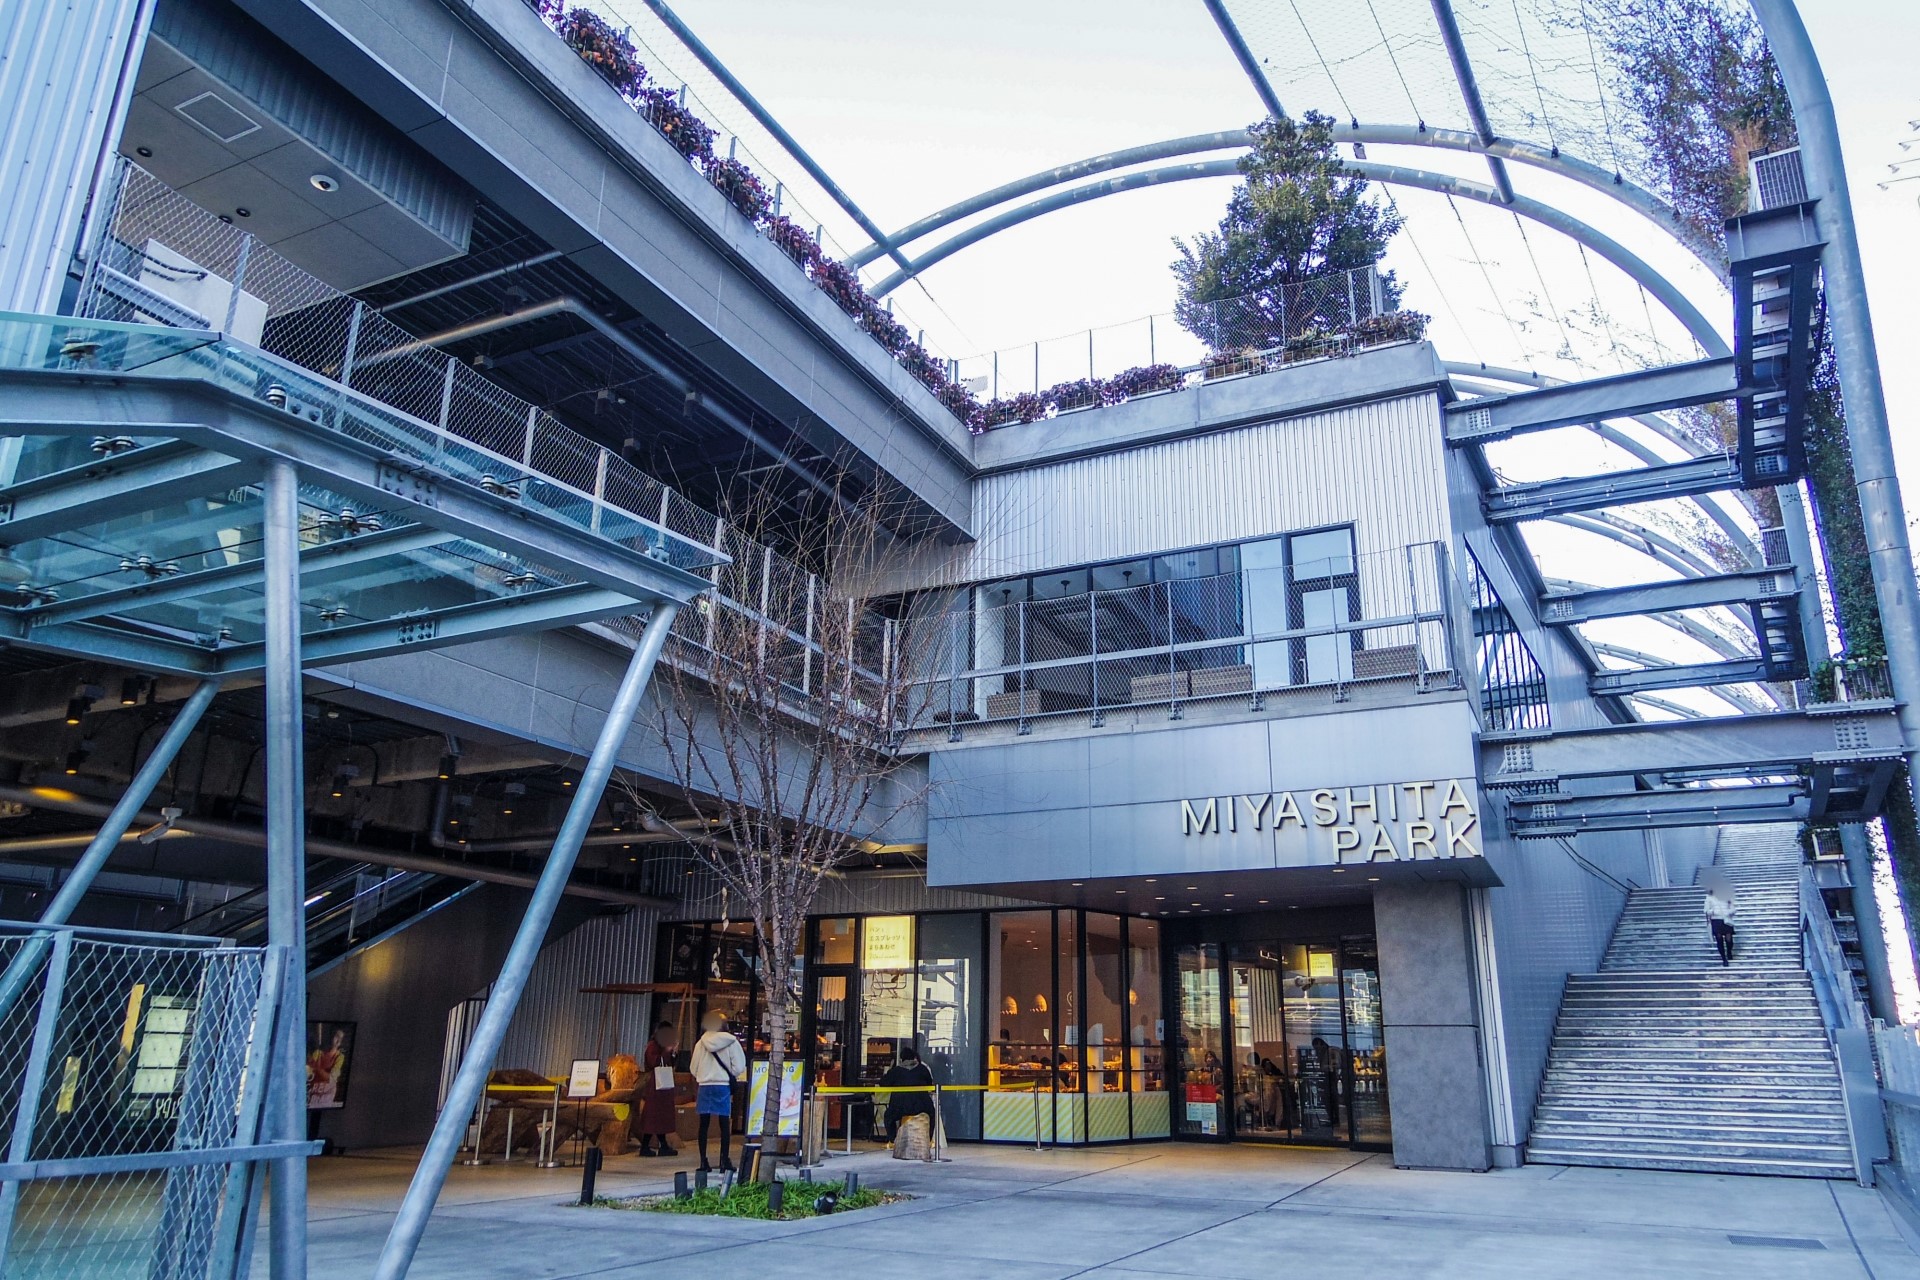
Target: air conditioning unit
1775, 180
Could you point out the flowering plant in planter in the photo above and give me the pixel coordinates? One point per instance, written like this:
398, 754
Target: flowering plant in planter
1076, 394
689, 134
879, 322
838, 281
741, 186
600, 46
1391, 326
1221, 364
1141, 380
1312, 344
792, 240
1025, 407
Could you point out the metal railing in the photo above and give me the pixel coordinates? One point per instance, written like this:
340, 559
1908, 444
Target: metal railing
132, 1073
1847, 1027
1321, 316
1260, 632
1513, 688
1897, 1049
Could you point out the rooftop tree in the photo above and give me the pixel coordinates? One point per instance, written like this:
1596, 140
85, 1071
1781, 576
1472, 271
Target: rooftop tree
1297, 215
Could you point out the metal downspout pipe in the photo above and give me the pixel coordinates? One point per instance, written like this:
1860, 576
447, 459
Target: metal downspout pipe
1850, 321
431, 1174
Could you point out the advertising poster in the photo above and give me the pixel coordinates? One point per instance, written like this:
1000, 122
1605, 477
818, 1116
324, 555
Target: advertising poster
329, 1054
789, 1098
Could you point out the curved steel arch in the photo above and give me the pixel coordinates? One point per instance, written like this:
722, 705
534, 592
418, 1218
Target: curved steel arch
1612, 250
1637, 198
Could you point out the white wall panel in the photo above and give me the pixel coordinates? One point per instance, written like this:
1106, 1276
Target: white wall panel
1378, 466
64, 66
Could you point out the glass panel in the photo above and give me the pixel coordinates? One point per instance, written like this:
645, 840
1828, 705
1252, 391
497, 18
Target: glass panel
1128, 573
947, 1016
1186, 564
1146, 1036
1264, 568
1058, 584
1366, 1044
1020, 1001
730, 979
886, 1002
1202, 1072
1103, 1060
834, 942
1265, 1100
1324, 554
1326, 658
1067, 1003
1310, 1000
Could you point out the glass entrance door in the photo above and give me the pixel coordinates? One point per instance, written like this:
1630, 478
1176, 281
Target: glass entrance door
1314, 1039
1308, 1058
1200, 1105
1367, 1108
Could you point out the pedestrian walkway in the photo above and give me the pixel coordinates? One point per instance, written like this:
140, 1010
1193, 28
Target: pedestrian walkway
1134, 1213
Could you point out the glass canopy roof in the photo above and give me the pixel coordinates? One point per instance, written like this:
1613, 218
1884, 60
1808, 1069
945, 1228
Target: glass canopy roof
132, 516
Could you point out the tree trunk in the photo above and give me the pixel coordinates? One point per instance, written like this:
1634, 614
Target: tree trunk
774, 994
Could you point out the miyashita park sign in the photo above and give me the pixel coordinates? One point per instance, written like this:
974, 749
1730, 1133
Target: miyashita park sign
1383, 822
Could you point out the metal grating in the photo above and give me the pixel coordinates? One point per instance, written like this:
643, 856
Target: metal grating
1775, 180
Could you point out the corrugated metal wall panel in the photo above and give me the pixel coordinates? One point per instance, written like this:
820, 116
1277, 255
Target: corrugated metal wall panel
555, 1023
850, 895
63, 69
1379, 466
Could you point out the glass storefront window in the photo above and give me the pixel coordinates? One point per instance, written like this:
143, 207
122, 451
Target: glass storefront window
835, 940
886, 995
947, 1014
1020, 1001
1104, 1060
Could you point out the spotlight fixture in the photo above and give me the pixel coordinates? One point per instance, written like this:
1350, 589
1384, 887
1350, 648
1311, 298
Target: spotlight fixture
130, 690
77, 709
78, 756
449, 765
343, 776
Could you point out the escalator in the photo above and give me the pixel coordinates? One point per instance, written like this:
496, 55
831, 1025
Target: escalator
349, 907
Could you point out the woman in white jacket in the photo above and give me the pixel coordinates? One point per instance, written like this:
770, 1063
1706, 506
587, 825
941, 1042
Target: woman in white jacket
717, 1064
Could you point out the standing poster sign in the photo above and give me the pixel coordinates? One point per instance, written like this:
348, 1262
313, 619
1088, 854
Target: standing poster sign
583, 1081
329, 1051
789, 1098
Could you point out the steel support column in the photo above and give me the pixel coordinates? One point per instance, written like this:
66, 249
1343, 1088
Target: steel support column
411, 1221
1851, 324
286, 1115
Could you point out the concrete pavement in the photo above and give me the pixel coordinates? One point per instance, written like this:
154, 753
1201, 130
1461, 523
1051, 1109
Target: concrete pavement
1132, 1213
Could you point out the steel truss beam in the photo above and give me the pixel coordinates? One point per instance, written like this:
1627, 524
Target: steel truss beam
1546, 498
1680, 676
1593, 400
1562, 814
1755, 746
328, 555
1746, 588
1470, 92
153, 475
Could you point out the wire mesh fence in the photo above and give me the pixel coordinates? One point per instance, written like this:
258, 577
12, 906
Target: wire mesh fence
1326, 315
131, 1078
1250, 634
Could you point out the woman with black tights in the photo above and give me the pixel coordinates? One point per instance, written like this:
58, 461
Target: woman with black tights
717, 1064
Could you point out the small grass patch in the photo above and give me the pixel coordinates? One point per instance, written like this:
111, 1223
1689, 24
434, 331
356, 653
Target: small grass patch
751, 1200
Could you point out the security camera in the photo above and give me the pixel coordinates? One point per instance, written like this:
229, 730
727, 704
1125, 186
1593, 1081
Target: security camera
168, 816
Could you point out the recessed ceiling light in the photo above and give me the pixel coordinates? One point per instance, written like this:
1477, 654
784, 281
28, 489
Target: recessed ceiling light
1161, 898
1373, 879
1263, 901
145, 153
1119, 890
325, 183
1078, 883
244, 212
1152, 880
1339, 870
1226, 895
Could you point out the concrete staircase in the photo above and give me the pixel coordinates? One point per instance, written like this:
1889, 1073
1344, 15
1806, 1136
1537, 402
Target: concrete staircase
1666, 1060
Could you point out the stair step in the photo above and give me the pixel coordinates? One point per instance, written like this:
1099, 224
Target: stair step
1685, 1164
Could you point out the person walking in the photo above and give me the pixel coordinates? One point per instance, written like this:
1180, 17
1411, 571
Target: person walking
657, 1118
718, 1063
1719, 911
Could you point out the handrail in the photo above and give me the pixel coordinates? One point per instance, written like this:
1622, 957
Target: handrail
1840, 1008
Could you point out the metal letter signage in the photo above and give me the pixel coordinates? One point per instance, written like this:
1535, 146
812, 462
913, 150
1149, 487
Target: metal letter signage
1382, 822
